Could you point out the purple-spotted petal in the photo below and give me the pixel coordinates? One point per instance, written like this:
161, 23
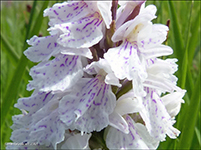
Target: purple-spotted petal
47, 128
137, 138
156, 37
160, 83
42, 48
89, 105
66, 12
80, 34
20, 135
105, 10
103, 66
125, 62
58, 74
118, 122
157, 120
35, 102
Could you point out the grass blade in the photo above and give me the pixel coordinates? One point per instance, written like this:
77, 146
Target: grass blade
17, 77
9, 50
190, 118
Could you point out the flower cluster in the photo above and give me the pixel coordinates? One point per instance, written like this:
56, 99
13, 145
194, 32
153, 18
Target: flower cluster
99, 71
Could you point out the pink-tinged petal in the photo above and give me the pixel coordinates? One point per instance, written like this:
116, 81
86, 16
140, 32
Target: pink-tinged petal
89, 105
66, 12
42, 48
105, 10
157, 120
126, 7
124, 61
80, 34
46, 127
137, 138
77, 141
58, 74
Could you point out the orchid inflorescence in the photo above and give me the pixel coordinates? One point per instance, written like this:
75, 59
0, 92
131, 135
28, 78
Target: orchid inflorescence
100, 72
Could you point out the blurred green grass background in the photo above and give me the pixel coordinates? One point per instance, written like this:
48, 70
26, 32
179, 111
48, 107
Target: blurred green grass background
19, 24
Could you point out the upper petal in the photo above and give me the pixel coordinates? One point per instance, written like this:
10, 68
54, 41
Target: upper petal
80, 34
66, 12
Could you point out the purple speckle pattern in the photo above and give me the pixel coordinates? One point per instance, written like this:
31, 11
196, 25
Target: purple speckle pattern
49, 130
66, 12
83, 33
83, 106
156, 117
116, 139
42, 48
125, 61
36, 101
56, 75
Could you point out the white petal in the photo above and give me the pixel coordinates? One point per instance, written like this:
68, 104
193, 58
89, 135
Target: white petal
80, 34
89, 105
77, 141
118, 122
58, 74
112, 80
98, 66
173, 102
20, 135
105, 10
125, 62
156, 37
42, 48
128, 104
136, 139
66, 12
49, 130
80, 51
156, 117
160, 83
124, 10
157, 51
36, 101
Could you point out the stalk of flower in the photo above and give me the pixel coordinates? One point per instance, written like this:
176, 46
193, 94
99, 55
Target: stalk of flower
96, 54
